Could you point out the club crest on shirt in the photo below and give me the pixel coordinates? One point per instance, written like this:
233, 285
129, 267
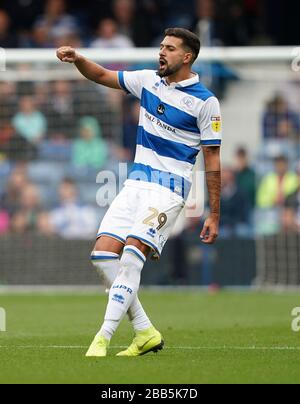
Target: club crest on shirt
161, 109
188, 102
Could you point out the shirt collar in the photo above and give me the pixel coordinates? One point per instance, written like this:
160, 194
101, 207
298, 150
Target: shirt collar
184, 83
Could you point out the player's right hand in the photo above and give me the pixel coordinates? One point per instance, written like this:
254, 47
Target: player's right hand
210, 230
67, 54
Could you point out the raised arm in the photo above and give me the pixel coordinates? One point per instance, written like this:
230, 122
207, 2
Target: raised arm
213, 179
89, 69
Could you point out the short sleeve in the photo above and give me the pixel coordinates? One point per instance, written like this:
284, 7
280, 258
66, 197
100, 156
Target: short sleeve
133, 82
210, 123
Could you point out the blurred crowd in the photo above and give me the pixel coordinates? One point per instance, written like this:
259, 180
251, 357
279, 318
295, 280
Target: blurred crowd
129, 23
51, 150
266, 191
55, 136
22, 209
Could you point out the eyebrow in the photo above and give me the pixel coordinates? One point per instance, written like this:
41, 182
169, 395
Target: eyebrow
168, 46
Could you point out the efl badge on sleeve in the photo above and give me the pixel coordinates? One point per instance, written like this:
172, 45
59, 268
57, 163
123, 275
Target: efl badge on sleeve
216, 123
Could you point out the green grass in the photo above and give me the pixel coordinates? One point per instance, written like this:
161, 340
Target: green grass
203, 334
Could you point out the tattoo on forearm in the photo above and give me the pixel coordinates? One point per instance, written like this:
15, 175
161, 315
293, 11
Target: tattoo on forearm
214, 174
213, 180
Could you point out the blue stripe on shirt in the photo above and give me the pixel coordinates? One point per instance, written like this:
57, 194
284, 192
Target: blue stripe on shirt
197, 90
166, 148
175, 183
215, 142
171, 116
122, 81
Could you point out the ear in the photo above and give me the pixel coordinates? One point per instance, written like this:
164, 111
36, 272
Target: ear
188, 58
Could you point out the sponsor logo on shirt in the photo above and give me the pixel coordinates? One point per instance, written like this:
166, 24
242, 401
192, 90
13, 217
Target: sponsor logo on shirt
128, 290
156, 86
159, 123
151, 233
118, 298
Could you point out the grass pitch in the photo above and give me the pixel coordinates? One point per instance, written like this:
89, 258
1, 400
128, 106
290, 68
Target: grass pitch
223, 338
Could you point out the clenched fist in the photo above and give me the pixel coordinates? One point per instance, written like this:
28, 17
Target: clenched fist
67, 54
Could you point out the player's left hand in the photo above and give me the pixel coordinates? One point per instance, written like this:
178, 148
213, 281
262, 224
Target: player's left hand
210, 230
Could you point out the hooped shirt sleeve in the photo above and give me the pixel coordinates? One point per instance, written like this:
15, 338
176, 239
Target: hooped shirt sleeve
134, 81
210, 123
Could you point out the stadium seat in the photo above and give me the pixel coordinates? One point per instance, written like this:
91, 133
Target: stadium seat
43, 172
54, 151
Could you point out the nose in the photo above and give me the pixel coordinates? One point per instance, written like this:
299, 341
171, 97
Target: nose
162, 52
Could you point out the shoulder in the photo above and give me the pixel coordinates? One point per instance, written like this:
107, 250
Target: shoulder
198, 91
210, 106
148, 74
269, 178
204, 100
142, 73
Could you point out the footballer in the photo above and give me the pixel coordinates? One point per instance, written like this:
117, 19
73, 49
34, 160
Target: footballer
179, 117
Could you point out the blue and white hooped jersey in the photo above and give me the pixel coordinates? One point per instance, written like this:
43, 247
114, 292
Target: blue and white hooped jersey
175, 121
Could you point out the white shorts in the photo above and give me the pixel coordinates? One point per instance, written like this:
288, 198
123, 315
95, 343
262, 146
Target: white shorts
146, 212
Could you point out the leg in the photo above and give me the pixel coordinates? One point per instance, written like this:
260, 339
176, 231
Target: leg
122, 299
129, 216
109, 244
122, 296
105, 258
108, 270
138, 244
105, 243
148, 339
123, 292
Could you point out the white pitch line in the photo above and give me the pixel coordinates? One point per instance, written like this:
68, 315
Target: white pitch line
191, 348
43, 347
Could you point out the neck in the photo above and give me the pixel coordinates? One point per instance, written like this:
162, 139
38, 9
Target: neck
180, 76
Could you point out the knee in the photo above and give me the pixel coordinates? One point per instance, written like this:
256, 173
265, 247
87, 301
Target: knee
108, 244
139, 245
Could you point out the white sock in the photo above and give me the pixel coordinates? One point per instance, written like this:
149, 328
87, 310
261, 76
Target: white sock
108, 266
138, 317
124, 289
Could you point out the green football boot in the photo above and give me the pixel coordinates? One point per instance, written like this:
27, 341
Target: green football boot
98, 347
145, 341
